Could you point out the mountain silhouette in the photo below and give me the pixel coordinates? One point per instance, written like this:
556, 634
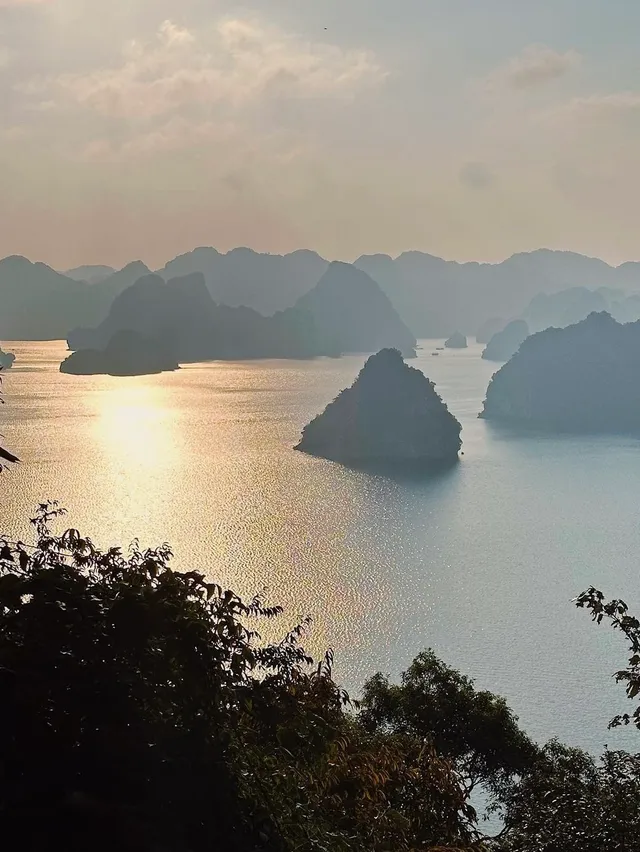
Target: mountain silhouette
391, 414
182, 314
582, 378
37, 303
431, 295
352, 314
127, 353
243, 277
506, 343
90, 274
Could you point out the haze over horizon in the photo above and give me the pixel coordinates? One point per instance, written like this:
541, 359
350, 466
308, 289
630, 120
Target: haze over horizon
154, 126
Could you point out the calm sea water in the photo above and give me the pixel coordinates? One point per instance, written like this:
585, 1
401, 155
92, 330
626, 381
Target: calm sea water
480, 564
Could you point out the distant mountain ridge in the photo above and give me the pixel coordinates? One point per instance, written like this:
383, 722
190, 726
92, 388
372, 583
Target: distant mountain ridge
436, 296
433, 297
91, 274
181, 316
244, 278
38, 303
345, 312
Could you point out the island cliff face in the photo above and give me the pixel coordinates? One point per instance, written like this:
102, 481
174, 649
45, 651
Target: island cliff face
456, 341
391, 414
506, 343
126, 354
352, 314
583, 378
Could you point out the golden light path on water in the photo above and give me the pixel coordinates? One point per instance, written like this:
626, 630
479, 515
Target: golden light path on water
481, 564
190, 458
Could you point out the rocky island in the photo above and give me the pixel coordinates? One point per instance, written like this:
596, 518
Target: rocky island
506, 343
352, 314
456, 341
126, 354
488, 329
6, 359
182, 311
391, 415
583, 378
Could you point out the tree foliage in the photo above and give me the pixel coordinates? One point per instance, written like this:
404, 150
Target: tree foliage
569, 801
5, 455
434, 702
140, 711
616, 612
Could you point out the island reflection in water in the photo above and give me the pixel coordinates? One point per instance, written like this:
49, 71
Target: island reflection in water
480, 563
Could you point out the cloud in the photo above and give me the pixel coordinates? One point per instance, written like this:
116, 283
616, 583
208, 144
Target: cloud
238, 62
175, 134
614, 116
534, 66
611, 105
6, 3
476, 175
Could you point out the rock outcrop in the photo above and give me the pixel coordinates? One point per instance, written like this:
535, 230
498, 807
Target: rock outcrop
390, 415
352, 314
6, 360
506, 343
456, 341
126, 354
583, 378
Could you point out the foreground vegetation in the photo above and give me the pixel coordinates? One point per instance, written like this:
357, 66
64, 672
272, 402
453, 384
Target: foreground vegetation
141, 711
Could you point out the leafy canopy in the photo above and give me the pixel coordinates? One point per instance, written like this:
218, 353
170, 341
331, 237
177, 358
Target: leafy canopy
140, 710
434, 702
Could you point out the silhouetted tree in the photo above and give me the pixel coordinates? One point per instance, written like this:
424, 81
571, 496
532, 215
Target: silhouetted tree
5, 455
434, 702
570, 801
140, 711
616, 612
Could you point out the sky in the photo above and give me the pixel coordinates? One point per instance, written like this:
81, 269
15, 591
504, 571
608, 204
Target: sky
470, 129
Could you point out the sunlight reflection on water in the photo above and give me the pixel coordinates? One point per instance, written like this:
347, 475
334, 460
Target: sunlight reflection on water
480, 563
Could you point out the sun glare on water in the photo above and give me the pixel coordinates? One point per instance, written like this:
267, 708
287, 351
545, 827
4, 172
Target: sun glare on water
135, 427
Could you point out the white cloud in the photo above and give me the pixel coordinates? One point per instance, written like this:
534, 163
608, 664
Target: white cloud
535, 65
240, 61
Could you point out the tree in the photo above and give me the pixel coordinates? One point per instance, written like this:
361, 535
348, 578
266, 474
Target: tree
434, 702
141, 711
569, 801
5, 455
617, 613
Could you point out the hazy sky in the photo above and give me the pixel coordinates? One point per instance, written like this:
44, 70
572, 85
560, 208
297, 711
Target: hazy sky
467, 128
